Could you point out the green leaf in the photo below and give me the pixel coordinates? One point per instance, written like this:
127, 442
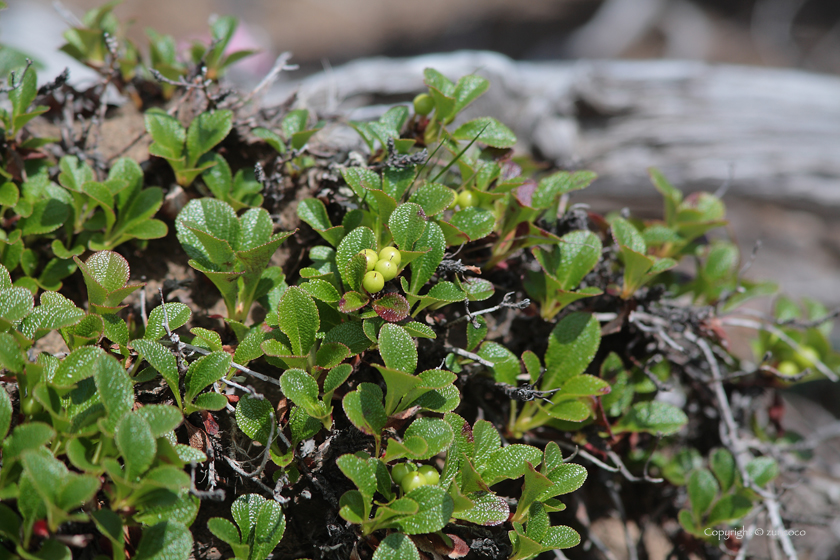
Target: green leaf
116, 390
136, 443
729, 508
474, 221
352, 301
571, 347
435, 432
468, 89
204, 372
5, 414
168, 540
425, 266
361, 179
550, 188
12, 357
9, 194
534, 486
510, 463
167, 133
177, 313
723, 465
361, 471
407, 223
364, 409
435, 509
313, 212
205, 132
353, 243
302, 389
433, 198
351, 334
272, 139
78, 365
297, 316
702, 490
210, 401
336, 377
106, 274
397, 348
31, 435
494, 133
654, 417
268, 530
208, 229
227, 532
55, 312
396, 546
161, 418
419, 330
505, 364
160, 358
488, 509
762, 470
253, 417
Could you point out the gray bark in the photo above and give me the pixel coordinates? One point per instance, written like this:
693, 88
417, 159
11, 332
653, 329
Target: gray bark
774, 132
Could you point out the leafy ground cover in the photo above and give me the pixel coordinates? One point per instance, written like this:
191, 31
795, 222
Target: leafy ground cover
423, 349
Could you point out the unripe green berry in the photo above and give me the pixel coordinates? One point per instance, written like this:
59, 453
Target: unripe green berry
430, 473
806, 357
454, 202
391, 254
467, 199
387, 269
370, 258
788, 368
373, 282
400, 471
29, 406
424, 104
412, 481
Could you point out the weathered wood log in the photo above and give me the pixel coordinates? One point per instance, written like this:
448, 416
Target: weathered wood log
774, 133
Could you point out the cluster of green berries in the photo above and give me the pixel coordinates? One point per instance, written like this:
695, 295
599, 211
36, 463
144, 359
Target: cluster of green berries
464, 199
380, 268
804, 358
410, 477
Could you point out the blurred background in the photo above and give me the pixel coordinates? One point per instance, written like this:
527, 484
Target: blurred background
792, 33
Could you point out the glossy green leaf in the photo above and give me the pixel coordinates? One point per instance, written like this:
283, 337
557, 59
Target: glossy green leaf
353, 243
168, 540
702, 490
435, 509
205, 132
723, 466
425, 266
729, 508
407, 224
136, 443
297, 316
167, 133
505, 363
160, 358
510, 462
253, 417
654, 417
476, 222
364, 409
302, 389
397, 348
571, 347
762, 470
492, 132
177, 313
396, 546
205, 371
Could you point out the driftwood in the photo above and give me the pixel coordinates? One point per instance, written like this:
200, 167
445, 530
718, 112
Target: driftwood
773, 134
